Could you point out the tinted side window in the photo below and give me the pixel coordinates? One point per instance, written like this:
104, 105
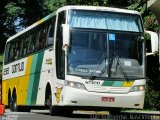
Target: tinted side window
32, 41
42, 37
50, 34
13, 50
7, 53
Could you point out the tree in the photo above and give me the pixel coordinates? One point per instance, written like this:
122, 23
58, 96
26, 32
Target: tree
17, 15
6, 24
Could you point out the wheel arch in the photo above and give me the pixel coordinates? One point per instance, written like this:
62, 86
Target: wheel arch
48, 91
14, 92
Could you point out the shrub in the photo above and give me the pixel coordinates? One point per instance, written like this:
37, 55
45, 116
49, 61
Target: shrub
152, 99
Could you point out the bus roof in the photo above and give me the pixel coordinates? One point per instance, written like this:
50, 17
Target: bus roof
97, 8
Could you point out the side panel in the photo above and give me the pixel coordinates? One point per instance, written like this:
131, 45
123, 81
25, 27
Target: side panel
34, 78
30, 82
12, 79
23, 83
47, 76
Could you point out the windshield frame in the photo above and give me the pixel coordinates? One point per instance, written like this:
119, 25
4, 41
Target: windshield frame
110, 31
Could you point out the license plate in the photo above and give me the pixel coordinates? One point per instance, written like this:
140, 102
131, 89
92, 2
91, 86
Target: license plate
108, 99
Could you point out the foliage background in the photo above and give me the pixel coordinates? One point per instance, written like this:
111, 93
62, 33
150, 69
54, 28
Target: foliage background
16, 15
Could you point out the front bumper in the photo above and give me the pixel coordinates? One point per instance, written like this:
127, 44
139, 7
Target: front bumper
77, 97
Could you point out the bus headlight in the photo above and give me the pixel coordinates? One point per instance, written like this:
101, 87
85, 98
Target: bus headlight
75, 84
137, 88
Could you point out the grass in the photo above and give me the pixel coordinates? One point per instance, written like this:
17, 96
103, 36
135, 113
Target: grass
1, 58
0, 68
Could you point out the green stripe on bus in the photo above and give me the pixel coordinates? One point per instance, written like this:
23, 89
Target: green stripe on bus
117, 84
107, 83
37, 77
34, 78
31, 79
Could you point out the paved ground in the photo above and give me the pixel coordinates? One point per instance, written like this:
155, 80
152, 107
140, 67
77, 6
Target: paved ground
81, 115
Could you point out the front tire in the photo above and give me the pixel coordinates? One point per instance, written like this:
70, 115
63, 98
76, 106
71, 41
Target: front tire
53, 110
57, 110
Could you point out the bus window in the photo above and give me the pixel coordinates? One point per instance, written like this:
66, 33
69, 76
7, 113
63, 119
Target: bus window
41, 39
14, 50
50, 34
32, 43
50, 38
21, 46
17, 49
7, 53
25, 46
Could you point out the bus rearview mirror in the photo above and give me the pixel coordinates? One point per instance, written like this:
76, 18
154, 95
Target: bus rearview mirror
66, 35
151, 43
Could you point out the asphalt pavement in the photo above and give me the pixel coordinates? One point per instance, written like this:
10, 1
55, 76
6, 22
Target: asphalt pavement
81, 115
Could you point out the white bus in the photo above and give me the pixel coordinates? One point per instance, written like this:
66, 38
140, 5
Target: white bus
79, 57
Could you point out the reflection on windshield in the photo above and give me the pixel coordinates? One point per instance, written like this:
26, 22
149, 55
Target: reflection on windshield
86, 49
126, 55
90, 52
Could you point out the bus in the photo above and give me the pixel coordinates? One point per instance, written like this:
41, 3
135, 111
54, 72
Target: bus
77, 58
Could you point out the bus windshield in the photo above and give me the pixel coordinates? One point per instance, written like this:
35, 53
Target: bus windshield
105, 20
105, 44
93, 51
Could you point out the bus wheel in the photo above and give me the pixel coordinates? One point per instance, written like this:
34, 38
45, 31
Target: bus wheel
52, 109
9, 99
13, 103
115, 111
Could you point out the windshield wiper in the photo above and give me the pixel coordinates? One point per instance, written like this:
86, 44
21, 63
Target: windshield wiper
121, 68
110, 67
93, 76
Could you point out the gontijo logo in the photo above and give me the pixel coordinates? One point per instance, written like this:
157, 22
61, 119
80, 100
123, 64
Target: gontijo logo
18, 67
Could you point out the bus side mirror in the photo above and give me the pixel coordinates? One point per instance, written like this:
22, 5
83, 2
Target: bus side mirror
151, 42
66, 36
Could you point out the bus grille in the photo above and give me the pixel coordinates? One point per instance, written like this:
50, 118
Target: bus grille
104, 89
